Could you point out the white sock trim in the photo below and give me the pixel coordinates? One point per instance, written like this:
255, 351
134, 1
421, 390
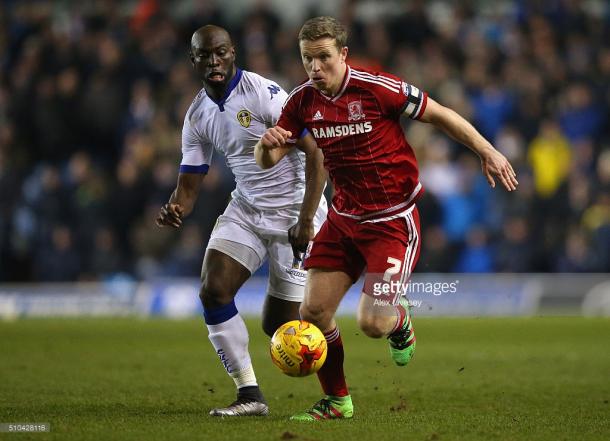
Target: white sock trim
332, 335
244, 377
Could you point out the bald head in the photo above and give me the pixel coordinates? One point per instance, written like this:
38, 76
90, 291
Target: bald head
213, 57
210, 32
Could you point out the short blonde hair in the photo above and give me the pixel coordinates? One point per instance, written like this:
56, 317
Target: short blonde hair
324, 27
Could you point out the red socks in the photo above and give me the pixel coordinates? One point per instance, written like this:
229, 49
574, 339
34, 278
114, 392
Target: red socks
401, 316
331, 374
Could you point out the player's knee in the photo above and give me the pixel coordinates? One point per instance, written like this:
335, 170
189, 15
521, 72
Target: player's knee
276, 312
213, 293
315, 314
371, 325
270, 325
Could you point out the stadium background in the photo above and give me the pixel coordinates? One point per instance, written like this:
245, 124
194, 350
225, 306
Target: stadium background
92, 97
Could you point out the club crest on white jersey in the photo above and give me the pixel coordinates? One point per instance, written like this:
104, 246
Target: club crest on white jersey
244, 117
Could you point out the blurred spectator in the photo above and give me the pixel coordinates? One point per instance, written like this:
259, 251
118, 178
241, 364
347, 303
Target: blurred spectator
58, 259
581, 118
186, 257
549, 156
438, 255
492, 109
477, 255
575, 256
468, 203
106, 260
597, 221
515, 250
127, 201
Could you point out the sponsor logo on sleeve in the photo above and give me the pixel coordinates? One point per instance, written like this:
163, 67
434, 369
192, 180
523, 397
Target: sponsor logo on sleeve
273, 90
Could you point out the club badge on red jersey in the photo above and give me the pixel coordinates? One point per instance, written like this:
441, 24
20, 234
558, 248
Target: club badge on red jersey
355, 111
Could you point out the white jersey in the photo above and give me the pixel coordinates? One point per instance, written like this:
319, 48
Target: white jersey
233, 126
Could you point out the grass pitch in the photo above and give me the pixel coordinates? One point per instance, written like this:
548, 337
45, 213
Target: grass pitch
471, 379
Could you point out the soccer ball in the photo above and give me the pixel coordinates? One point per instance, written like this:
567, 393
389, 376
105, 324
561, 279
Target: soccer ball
298, 348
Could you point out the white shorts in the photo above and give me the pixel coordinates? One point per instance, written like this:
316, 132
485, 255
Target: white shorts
250, 235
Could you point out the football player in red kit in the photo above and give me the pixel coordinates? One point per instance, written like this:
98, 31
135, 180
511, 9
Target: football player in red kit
354, 116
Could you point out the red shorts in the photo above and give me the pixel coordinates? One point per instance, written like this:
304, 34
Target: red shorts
388, 249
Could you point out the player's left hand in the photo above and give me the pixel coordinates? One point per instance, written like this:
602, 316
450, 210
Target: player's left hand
299, 236
170, 215
275, 137
495, 164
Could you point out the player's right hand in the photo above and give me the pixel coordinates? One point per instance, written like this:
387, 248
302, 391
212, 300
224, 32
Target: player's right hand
275, 137
170, 215
299, 236
495, 164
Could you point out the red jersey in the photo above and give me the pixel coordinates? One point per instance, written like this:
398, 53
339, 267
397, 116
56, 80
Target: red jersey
371, 164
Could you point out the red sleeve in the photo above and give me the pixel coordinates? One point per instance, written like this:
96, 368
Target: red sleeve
291, 119
397, 97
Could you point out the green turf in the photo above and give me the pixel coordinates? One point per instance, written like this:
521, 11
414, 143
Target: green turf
471, 379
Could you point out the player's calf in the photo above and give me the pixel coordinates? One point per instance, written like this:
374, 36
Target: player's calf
376, 318
376, 326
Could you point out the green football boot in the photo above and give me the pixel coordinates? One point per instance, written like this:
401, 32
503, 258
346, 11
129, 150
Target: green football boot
328, 408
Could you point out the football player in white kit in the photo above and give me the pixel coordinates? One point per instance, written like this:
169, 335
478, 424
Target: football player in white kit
270, 214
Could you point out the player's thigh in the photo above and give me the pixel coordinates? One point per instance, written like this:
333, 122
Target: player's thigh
221, 278
235, 251
391, 249
324, 290
286, 275
235, 235
286, 285
333, 249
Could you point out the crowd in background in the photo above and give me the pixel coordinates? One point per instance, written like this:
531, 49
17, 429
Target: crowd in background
93, 95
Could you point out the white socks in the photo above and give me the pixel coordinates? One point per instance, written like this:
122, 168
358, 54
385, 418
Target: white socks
230, 339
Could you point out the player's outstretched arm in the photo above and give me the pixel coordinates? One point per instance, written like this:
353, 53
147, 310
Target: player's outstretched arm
302, 232
272, 147
181, 201
493, 163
